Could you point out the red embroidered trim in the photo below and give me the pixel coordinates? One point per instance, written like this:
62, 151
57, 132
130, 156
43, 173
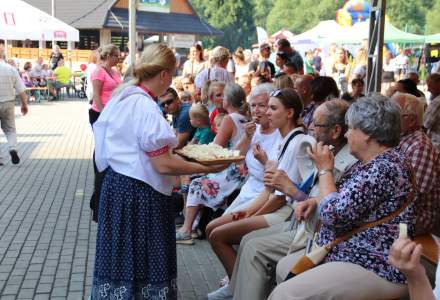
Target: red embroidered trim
158, 151
148, 91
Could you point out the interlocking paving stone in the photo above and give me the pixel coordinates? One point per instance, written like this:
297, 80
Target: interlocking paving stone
47, 238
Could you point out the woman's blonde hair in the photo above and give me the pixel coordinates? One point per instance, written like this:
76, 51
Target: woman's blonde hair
219, 55
106, 50
155, 59
283, 81
213, 85
200, 112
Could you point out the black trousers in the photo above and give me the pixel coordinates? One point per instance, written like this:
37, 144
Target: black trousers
99, 176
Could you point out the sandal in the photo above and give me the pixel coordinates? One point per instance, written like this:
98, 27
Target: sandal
184, 238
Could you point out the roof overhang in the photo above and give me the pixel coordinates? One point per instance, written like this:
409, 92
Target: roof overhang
160, 23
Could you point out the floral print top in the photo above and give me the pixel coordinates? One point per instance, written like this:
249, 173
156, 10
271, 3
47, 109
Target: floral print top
367, 193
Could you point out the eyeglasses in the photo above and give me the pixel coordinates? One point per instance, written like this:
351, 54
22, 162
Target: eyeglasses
326, 125
166, 102
320, 125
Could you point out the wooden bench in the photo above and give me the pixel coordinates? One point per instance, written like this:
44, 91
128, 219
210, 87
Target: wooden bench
430, 247
41, 92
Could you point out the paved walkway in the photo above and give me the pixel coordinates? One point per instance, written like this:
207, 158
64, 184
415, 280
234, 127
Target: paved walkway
47, 238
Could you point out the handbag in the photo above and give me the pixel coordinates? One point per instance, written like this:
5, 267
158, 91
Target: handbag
318, 254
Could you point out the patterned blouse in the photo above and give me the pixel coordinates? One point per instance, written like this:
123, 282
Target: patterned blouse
365, 194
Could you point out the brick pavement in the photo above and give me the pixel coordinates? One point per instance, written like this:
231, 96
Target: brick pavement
47, 238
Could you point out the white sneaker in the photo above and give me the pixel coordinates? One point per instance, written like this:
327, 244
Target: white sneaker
223, 293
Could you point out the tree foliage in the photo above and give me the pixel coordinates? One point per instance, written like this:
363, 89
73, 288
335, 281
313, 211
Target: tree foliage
238, 18
407, 15
433, 19
301, 15
261, 11
234, 17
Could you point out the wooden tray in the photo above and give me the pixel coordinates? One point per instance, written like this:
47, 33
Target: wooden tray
225, 160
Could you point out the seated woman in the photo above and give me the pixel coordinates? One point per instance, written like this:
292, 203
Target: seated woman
26, 76
377, 186
212, 189
269, 208
259, 143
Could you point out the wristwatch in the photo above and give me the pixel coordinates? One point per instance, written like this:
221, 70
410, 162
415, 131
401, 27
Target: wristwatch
325, 171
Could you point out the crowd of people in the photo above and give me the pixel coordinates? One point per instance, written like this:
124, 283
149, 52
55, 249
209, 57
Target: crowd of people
322, 161
53, 74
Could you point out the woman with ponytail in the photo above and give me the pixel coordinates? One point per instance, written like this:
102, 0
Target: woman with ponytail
135, 245
105, 80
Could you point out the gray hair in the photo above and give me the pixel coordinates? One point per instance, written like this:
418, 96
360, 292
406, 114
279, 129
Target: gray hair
410, 104
264, 88
234, 94
377, 117
336, 110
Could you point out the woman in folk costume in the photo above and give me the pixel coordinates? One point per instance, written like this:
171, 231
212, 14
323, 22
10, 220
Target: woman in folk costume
135, 247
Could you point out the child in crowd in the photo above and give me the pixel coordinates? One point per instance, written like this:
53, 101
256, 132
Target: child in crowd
219, 119
199, 118
186, 97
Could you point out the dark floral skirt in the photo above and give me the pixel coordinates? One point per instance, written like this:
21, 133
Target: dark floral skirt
135, 245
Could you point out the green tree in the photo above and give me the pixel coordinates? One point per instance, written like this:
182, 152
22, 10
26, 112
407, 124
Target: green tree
301, 15
409, 14
261, 10
433, 19
233, 17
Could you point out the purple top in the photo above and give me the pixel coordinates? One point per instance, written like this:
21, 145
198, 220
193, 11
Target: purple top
367, 193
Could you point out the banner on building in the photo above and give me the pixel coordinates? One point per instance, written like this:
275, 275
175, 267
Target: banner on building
162, 6
182, 40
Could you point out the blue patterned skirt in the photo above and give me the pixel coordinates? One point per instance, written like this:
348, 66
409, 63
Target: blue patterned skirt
135, 245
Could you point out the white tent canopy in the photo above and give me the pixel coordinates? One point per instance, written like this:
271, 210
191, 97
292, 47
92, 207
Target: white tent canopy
21, 21
321, 32
392, 34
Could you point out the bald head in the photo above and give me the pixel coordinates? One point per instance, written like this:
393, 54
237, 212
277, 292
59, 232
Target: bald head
411, 111
433, 83
303, 86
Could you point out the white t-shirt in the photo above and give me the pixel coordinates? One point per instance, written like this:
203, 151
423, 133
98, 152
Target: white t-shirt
91, 67
254, 185
241, 70
217, 73
295, 160
10, 82
129, 131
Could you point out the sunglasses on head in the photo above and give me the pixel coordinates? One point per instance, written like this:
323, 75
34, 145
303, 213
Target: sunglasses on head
166, 102
276, 93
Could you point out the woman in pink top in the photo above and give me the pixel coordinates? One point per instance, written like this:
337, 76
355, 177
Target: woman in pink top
104, 80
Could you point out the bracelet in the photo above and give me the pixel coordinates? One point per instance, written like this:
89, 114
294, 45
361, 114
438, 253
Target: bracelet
325, 171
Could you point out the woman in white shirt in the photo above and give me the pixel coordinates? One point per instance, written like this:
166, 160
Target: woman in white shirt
270, 208
135, 245
195, 63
